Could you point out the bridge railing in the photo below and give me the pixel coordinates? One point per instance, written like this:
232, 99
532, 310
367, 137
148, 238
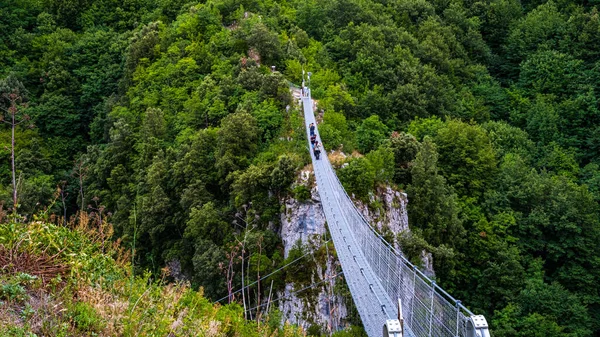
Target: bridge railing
428, 309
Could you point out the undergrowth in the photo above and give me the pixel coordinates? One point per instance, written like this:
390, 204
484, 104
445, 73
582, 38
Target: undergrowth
60, 281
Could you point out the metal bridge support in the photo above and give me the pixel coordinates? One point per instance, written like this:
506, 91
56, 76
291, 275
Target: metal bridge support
392, 328
477, 327
395, 327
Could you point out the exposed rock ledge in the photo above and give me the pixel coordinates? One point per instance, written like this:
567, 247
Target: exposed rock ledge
304, 221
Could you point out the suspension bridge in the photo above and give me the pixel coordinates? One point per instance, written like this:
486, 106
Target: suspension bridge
392, 296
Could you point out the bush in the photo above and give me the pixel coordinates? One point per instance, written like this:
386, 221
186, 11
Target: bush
12, 292
370, 134
314, 330
353, 331
334, 131
85, 317
13, 331
382, 161
301, 193
358, 177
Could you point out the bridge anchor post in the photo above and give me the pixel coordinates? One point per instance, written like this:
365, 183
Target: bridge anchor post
395, 327
477, 326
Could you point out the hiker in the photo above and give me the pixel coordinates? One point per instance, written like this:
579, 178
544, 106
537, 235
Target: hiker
313, 139
312, 128
317, 152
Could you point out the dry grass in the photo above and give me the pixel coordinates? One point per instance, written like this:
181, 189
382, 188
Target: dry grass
337, 158
2, 212
82, 287
45, 310
308, 167
46, 267
111, 307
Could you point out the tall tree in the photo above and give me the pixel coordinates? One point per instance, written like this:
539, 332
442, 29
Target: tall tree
370, 134
13, 104
237, 141
433, 206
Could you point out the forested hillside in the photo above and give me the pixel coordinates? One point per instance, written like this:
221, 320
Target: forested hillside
166, 119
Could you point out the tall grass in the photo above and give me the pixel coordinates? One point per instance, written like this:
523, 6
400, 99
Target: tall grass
75, 281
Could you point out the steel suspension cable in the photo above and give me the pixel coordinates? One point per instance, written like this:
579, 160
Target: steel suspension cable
296, 292
272, 273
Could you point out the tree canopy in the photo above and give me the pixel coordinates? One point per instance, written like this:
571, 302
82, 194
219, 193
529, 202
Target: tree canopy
168, 118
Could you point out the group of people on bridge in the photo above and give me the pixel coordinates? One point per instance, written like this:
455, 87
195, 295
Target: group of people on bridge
314, 142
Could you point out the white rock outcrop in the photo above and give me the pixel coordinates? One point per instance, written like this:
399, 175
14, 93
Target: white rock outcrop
392, 213
304, 221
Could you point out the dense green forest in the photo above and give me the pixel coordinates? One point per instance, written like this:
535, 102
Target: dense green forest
165, 117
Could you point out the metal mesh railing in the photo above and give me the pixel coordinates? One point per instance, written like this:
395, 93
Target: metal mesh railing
428, 310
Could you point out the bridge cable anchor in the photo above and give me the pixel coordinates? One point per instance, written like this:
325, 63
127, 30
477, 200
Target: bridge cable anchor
477, 326
395, 327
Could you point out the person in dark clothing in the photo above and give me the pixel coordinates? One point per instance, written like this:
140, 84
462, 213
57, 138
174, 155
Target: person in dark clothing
313, 139
317, 152
312, 128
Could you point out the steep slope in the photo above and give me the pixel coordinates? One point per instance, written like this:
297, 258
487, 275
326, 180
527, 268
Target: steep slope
56, 281
304, 231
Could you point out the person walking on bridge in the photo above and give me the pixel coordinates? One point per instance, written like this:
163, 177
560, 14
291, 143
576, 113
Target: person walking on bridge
312, 129
317, 151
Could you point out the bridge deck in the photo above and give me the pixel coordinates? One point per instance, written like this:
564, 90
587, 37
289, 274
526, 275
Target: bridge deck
373, 303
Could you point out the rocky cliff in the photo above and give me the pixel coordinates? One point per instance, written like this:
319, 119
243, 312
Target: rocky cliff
304, 222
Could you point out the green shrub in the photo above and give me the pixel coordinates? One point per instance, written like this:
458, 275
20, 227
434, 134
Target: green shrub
353, 331
13, 331
358, 177
301, 193
85, 317
334, 131
12, 292
314, 330
371, 133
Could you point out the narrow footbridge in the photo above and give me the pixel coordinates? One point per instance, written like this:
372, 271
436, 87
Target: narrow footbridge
380, 278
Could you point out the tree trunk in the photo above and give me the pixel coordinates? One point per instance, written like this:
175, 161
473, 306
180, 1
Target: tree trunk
248, 288
243, 292
63, 197
258, 281
12, 157
81, 188
269, 299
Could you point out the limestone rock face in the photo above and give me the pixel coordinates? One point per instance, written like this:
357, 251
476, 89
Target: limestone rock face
304, 222
392, 213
